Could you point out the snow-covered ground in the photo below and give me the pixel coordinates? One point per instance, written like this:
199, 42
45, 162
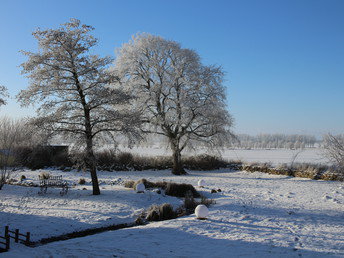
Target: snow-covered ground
274, 156
257, 215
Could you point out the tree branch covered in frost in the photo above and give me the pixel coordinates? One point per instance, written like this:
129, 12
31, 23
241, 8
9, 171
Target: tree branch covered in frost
179, 97
3, 95
334, 148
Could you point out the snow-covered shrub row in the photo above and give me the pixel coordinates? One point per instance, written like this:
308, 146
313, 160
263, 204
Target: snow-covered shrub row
37, 157
312, 171
110, 160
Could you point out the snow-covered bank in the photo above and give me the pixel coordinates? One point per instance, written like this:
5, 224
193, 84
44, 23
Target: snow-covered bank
53, 215
257, 215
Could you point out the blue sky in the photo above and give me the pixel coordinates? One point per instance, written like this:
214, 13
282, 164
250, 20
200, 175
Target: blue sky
284, 60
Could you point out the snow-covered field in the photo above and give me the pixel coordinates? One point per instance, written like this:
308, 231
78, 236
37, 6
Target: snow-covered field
274, 156
278, 156
257, 215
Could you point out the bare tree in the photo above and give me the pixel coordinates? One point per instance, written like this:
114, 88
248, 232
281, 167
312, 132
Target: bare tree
76, 90
3, 95
334, 148
12, 134
180, 98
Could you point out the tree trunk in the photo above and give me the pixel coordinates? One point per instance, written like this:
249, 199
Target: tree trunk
90, 159
177, 168
92, 166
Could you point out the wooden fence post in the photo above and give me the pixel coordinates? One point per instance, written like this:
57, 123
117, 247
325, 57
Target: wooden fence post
16, 236
7, 242
27, 241
6, 231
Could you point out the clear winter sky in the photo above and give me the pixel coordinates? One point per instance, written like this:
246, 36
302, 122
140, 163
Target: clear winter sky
284, 59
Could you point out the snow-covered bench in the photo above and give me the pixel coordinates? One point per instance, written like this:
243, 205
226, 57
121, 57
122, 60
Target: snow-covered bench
52, 181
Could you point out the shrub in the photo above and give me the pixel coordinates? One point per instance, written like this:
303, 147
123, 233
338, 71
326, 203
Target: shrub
144, 163
162, 212
125, 158
149, 184
307, 171
166, 212
61, 160
333, 174
37, 157
82, 181
129, 184
190, 203
180, 190
204, 162
153, 213
106, 158
207, 202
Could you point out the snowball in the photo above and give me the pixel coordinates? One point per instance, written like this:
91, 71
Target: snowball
201, 211
140, 188
201, 183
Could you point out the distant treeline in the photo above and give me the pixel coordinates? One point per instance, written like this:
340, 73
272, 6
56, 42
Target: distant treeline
275, 141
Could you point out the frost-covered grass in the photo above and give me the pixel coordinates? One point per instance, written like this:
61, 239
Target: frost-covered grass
255, 214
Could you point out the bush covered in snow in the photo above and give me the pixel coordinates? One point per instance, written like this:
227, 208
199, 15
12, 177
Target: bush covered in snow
180, 190
161, 212
172, 189
82, 181
129, 184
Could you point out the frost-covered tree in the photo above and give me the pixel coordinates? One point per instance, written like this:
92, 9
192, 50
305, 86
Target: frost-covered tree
8, 138
334, 148
3, 95
75, 90
180, 97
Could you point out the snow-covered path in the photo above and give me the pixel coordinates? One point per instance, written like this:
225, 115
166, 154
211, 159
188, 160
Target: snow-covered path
256, 215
